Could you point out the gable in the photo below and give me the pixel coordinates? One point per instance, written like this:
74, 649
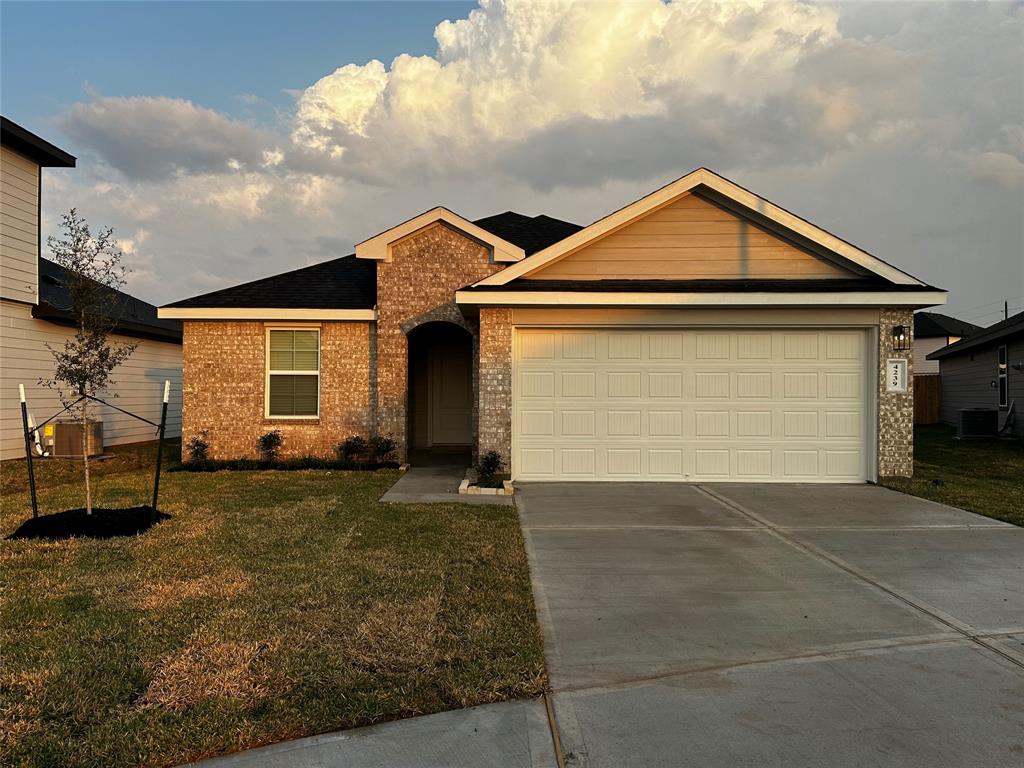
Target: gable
690, 238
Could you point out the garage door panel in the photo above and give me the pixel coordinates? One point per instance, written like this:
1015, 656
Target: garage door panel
690, 404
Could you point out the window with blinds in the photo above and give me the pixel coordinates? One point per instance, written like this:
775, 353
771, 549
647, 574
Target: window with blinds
293, 373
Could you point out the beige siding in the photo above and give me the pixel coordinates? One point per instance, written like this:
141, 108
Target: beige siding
19, 227
689, 239
923, 348
25, 359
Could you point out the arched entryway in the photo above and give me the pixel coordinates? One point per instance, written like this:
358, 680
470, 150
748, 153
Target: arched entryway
440, 389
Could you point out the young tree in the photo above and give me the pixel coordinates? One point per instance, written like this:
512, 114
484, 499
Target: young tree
94, 274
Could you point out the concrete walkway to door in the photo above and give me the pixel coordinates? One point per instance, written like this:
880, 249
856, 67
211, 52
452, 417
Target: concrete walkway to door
777, 625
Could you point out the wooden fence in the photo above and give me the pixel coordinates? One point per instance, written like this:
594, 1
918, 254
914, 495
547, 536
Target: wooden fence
927, 398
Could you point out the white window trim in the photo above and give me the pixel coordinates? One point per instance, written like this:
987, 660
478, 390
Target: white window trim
267, 372
1002, 377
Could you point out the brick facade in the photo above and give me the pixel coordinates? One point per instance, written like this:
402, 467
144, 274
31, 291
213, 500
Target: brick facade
495, 430
418, 286
895, 409
224, 382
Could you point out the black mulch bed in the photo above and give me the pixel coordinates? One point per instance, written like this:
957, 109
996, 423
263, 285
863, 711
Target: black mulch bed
103, 523
282, 465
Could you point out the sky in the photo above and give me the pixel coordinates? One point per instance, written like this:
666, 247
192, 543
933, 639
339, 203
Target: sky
230, 141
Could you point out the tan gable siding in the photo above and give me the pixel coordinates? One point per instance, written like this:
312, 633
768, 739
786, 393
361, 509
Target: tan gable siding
139, 381
19, 227
690, 239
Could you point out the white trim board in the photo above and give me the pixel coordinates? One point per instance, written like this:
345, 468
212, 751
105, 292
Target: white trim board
269, 313
710, 299
676, 189
378, 247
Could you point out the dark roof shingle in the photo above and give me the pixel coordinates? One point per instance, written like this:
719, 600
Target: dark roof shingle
345, 283
135, 317
933, 324
700, 286
1011, 326
531, 233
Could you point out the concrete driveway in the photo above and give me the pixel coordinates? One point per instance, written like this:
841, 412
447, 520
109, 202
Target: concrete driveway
774, 625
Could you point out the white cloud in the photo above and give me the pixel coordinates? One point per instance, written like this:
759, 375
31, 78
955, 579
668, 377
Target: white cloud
866, 117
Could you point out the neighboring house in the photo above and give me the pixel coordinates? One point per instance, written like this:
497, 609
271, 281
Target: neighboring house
33, 313
985, 370
932, 331
699, 333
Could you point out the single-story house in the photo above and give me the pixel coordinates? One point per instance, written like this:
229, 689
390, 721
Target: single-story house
34, 304
985, 370
699, 333
932, 331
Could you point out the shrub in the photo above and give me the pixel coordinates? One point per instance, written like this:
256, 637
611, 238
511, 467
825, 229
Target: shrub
487, 469
269, 444
381, 448
351, 448
198, 448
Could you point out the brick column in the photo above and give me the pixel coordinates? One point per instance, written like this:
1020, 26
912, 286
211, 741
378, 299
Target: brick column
496, 382
895, 409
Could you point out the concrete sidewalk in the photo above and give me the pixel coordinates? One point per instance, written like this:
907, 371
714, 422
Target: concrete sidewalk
512, 734
437, 485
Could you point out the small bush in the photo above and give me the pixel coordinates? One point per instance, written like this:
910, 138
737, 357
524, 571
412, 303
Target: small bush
351, 448
488, 468
269, 444
381, 448
198, 448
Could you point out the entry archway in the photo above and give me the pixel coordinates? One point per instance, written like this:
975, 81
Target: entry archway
440, 386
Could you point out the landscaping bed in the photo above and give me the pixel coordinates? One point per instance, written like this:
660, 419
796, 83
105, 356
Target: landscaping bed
982, 476
269, 606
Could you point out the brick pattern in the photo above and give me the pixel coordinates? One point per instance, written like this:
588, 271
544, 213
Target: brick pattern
895, 409
496, 381
418, 286
224, 380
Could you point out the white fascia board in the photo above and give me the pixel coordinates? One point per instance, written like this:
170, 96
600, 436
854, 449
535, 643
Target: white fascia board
232, 313
378, 247
678, 188
916, 299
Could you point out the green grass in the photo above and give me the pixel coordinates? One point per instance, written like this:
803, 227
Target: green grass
272, 605
983, 476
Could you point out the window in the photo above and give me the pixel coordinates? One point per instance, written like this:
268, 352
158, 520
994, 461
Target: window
1002, 377
293, 373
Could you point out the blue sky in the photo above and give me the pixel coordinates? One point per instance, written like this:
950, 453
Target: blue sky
211, 53
229, 141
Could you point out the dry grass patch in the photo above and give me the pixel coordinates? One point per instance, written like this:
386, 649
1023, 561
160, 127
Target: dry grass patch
212, 670
271, 605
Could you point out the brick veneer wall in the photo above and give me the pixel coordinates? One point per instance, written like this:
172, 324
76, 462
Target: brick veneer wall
895, 409
496, 381
223, 388
418, 286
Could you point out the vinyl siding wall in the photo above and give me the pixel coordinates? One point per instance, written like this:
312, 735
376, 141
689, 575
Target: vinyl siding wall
139, 381
967, 382
923, 348
690, 238
19, 227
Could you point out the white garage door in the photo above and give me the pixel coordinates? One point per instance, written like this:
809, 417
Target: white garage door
703, 405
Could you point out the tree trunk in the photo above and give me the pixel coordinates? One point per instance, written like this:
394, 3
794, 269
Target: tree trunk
85, 456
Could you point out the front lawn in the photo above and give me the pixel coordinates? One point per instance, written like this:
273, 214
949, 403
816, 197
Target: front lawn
271, 605
983, 476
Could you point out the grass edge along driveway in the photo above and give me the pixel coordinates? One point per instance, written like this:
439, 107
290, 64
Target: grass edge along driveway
272, 605
982, 476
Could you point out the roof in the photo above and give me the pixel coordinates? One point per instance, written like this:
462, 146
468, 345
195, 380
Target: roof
345, 283
38, 149
531, 233
351, 283
726, 194
698, 286
1000, 332
135, 317
930, 325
